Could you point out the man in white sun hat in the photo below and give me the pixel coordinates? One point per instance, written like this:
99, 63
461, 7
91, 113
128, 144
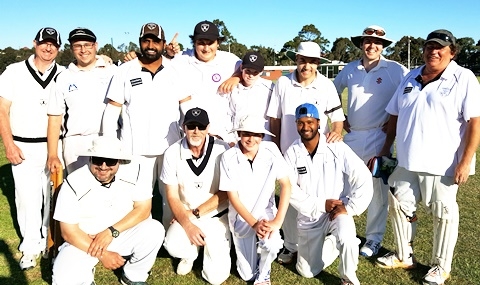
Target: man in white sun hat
320, 171
371, 82
305, 84
104, 216
248, 173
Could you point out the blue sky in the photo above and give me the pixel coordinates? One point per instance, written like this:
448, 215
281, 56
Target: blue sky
267, 23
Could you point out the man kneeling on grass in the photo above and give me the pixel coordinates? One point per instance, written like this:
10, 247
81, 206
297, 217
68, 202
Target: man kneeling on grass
248, 172
104, 216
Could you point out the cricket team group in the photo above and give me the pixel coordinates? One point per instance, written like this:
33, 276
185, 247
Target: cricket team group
215, 139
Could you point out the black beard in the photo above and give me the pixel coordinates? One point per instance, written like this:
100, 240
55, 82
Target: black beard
150, 57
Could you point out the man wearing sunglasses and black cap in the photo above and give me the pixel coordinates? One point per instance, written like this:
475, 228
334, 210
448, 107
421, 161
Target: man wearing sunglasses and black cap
104, 214
24, 93
191, 176
437, 113
371, 82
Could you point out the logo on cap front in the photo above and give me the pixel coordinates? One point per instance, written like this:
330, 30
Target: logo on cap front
50, 31
205, 27
196, 112
151, 26
252, 58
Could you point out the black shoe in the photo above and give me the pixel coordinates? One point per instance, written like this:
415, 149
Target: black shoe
125, 281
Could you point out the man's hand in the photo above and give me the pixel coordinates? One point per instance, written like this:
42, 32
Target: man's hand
272, 226
54, 164
107, 59
228, 85
338, 210
330, 204
130, 56
261, 228
14, 154
195, 234
173, 47
111, 260
461, 173
100, 242
333, 137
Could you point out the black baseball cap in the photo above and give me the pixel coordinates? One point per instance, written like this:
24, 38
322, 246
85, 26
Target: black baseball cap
152, 29
443, 37
81, 34
206, 30
196, 115
253, 60
48, 34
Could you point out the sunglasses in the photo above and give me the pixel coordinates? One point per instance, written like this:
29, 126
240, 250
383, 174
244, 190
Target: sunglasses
192, 127
98, 161
370, 32
441, 36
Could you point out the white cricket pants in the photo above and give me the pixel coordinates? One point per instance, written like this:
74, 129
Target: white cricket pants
73, 145
314, 254
290, 231
75, 267
367, 144
216, 255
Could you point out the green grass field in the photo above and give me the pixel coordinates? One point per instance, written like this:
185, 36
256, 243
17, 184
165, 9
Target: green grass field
466, 264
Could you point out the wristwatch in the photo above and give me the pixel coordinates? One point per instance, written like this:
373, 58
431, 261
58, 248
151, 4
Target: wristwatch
114, 231
196, 213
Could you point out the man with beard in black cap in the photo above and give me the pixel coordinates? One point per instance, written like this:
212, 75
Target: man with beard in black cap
148, 94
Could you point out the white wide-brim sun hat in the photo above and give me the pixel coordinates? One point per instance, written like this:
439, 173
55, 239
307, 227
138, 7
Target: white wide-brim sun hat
107, 147
252, 124
308, 49
357, 40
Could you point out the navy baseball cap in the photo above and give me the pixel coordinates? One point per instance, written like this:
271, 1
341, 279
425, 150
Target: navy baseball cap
306, 110
253, 60
196, 115
81, 34
443, 37
206, 30
48, 34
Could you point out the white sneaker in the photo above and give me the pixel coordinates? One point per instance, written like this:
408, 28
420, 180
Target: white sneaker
28, 261
391, 261
370, 248
285, 256
435, 276
185, 266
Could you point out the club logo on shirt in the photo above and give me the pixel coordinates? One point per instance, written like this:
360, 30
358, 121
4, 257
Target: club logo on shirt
302, 170
216, 77
407, 90
198, 185
72, 87
379, 80
43, 102
135, 81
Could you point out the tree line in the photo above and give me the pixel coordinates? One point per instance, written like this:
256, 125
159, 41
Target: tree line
342, 50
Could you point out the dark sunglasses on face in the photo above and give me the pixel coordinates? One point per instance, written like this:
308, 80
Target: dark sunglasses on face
370, 32
100, 160
192, 127
443, 37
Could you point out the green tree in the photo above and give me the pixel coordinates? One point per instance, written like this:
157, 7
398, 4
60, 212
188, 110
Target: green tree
466, 52
65, 56
267, 53
344, 50
7, 57
111, 52
399, 51
230, 42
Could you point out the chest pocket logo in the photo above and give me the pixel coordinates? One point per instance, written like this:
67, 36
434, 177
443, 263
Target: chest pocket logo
198, 185
72, 87
136, 81
407, 90
302, 170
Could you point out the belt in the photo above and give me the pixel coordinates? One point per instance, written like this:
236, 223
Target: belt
32, 140
221, 213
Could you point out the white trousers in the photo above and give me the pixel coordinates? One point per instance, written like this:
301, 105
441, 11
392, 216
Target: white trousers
367, 144
254, 255
314, 254
439, 195
290, 231
32, 196
216, 255
74, 144
75, 267
150, 170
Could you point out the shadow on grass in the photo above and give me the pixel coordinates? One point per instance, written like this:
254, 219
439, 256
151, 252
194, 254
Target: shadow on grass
8, 190
17, 277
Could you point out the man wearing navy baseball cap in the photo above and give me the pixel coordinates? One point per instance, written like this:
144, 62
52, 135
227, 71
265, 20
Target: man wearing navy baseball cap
334, 185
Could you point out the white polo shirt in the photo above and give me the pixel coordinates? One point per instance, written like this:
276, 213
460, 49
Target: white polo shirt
84, 201
288, 94
203, 79
251, 100
369, 92
314, 180
28, 90
79, 95
432, 121
254, 182
194, 188
151, 111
